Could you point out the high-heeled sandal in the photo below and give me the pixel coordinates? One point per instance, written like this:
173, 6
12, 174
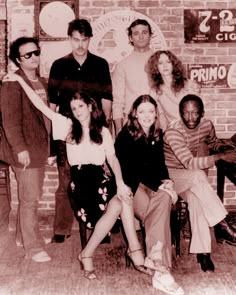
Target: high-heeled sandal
140, 268
88, 274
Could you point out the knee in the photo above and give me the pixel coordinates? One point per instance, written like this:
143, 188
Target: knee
199, 175
115, 206
166, 200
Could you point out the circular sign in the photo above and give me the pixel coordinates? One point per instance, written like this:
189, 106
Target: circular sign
54, 18
110, 38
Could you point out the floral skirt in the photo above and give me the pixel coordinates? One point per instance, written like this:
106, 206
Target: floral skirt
90, 190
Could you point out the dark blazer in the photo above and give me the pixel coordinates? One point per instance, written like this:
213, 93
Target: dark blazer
141, 160
23, 126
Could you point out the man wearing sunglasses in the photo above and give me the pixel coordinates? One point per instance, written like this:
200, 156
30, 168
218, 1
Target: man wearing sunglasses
25, 143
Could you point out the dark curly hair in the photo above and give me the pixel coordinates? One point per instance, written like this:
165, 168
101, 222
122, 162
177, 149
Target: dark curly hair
80, 25
191, 97
138, 22
97, 120
178, 73
133, 126
15, 46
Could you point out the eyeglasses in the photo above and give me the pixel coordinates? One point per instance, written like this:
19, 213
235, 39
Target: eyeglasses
28, 55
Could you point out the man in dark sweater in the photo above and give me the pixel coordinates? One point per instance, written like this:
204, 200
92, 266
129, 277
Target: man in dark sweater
78, 71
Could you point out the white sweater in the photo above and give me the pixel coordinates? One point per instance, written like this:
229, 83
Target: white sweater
129, 81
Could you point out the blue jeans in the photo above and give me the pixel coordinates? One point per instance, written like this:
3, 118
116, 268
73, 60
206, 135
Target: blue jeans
30, 183
64, 215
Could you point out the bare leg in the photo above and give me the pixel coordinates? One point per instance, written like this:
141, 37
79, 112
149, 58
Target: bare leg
127, 217
102, 228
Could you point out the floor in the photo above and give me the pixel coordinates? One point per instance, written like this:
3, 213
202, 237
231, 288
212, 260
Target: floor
62, 276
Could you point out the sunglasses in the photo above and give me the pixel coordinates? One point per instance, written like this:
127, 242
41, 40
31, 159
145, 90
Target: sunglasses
28, 55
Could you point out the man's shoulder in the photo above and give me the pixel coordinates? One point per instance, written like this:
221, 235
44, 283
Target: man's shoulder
62, 60
96, 59
206, 123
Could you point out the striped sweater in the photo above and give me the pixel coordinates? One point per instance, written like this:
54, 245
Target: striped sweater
181, 145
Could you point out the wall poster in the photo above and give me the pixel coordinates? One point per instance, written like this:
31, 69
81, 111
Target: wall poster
213, 75
209, 25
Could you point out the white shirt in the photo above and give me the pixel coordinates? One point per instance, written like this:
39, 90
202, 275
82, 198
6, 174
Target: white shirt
86, 152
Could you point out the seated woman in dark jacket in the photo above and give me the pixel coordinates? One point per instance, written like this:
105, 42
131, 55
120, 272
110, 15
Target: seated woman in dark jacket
139, 148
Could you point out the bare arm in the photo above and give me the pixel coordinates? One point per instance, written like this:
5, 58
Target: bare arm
123, 191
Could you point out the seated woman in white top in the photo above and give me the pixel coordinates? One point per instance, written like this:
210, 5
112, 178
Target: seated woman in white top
98, 198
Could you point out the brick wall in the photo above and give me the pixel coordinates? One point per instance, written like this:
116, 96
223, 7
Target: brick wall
168, 15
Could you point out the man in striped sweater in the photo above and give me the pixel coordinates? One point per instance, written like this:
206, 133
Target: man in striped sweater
183, 141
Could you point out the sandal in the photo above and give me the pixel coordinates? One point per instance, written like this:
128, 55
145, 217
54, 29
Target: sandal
165, 282
88, 274
141, 268
41, 256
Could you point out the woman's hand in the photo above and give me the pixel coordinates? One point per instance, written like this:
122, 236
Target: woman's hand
168, 184
125, 194
11, 77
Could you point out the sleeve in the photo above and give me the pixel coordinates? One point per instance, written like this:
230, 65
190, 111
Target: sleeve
12, 117
215, 144
61, 127
108, 142
163, 170
53, 84
179, 147
118, 84
106, 83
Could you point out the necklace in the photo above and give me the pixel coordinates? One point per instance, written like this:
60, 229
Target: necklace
34, 80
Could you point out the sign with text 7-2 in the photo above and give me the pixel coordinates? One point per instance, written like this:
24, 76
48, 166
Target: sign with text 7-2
209, 25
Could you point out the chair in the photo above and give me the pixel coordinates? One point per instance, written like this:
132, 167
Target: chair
5, 195
5, 180
224, 169
179, 218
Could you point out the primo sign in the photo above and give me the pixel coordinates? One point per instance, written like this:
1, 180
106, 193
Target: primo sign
213, 75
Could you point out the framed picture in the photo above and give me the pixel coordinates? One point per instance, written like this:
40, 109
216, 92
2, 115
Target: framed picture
52, 18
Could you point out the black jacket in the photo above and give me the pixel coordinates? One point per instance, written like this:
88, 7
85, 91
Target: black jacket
141, 160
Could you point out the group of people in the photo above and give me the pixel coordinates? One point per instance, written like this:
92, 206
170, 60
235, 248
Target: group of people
160, 151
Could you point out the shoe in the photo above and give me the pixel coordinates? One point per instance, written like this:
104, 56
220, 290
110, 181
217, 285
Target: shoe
231, 219
59, 238
205, 260
88, 274
140, 268
41, 256
224, 232
165, 282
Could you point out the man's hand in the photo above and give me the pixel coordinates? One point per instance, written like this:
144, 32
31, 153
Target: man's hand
229, 156
24, 158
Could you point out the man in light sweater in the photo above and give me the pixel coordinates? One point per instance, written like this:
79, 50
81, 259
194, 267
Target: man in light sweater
182, 141
130, 79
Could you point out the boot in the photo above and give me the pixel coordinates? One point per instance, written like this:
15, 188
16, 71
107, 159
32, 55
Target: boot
224, 232
205, 261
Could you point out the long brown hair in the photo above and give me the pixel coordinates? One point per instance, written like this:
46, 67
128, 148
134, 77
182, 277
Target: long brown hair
133, 126
97, 120
178, 74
